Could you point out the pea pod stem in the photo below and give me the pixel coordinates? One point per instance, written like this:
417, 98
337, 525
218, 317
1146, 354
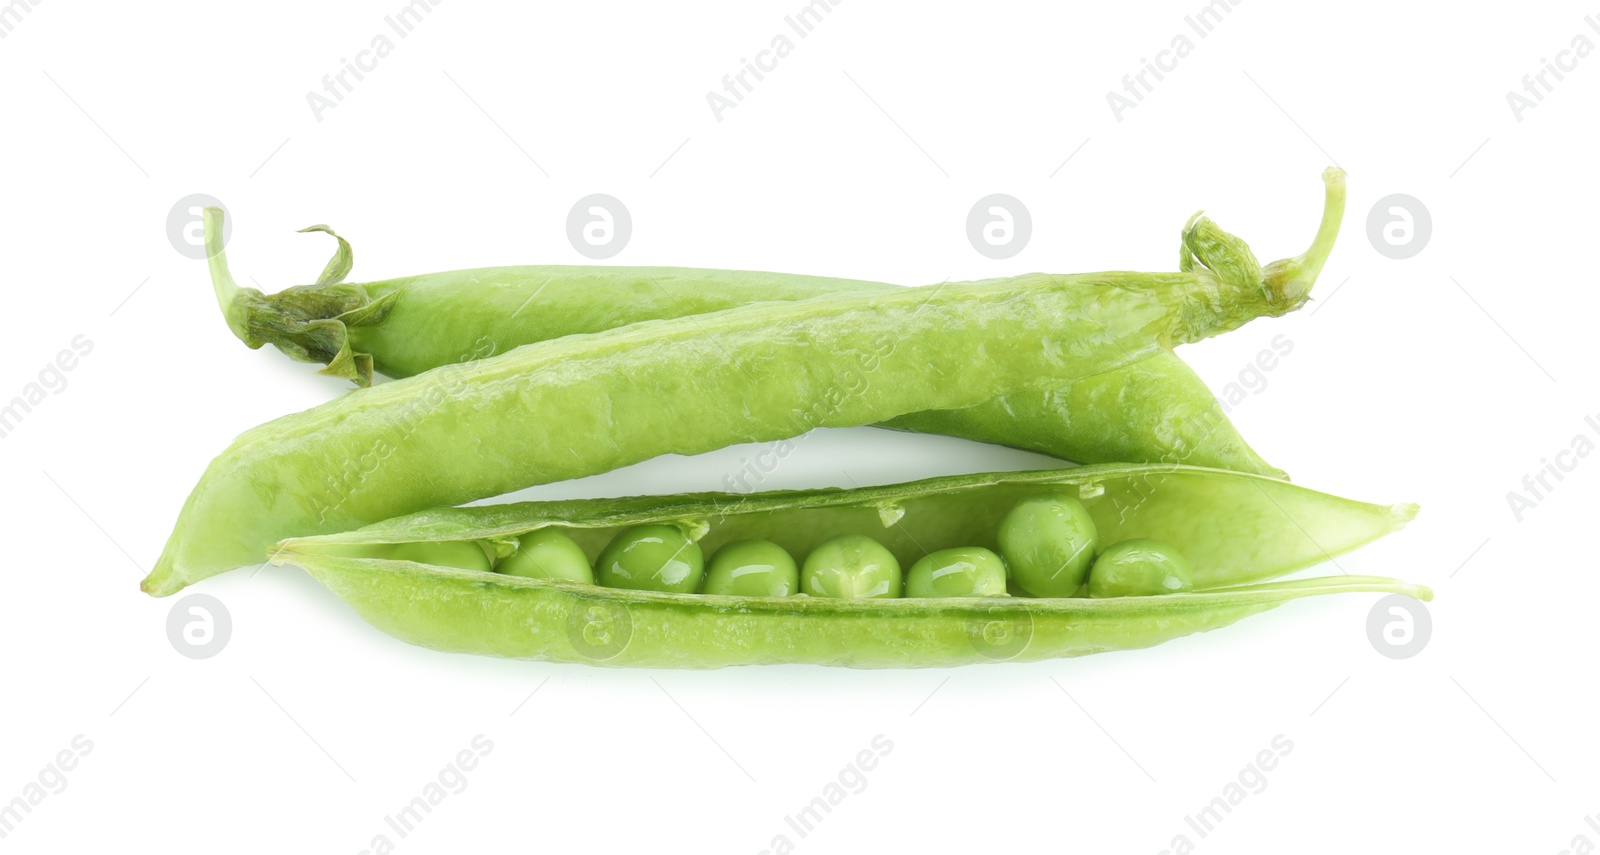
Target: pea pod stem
1294, 276
309, 323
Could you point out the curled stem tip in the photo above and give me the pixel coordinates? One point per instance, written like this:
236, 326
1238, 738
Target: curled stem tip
230, 297
1289, 280
340, 264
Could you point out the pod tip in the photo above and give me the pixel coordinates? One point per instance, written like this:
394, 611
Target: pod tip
1404, 513
157, 585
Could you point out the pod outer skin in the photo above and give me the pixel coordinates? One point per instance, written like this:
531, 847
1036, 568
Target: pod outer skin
462, 612
1156, 410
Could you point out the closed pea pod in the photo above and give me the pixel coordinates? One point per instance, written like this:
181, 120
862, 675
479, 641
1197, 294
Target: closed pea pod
1152, 410
1199, 512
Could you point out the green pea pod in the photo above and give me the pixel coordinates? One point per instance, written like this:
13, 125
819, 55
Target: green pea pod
579, 405
1154, 410
1236, 530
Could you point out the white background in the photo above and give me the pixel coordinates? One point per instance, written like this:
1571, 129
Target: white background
1442, 379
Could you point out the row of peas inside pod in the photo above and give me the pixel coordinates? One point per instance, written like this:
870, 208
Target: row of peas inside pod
1048, 547
814, 576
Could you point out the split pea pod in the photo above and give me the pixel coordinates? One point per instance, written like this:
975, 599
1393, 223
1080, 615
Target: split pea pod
579, 405
1154, 410
1235, 530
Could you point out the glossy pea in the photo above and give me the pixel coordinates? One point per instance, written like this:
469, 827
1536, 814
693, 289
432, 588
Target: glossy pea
752, 568
851, 566
965, 571
463, 554
547, 553
1139, 568
653, 557
1048, 542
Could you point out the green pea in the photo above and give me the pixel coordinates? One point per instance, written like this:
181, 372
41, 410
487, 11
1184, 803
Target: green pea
752, 568
1048, 542
547, 553
463, 554
851, 566
653, 557
1139, 568
967, 571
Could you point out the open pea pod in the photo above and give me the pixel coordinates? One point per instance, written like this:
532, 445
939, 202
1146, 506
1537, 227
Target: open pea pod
1236, 530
